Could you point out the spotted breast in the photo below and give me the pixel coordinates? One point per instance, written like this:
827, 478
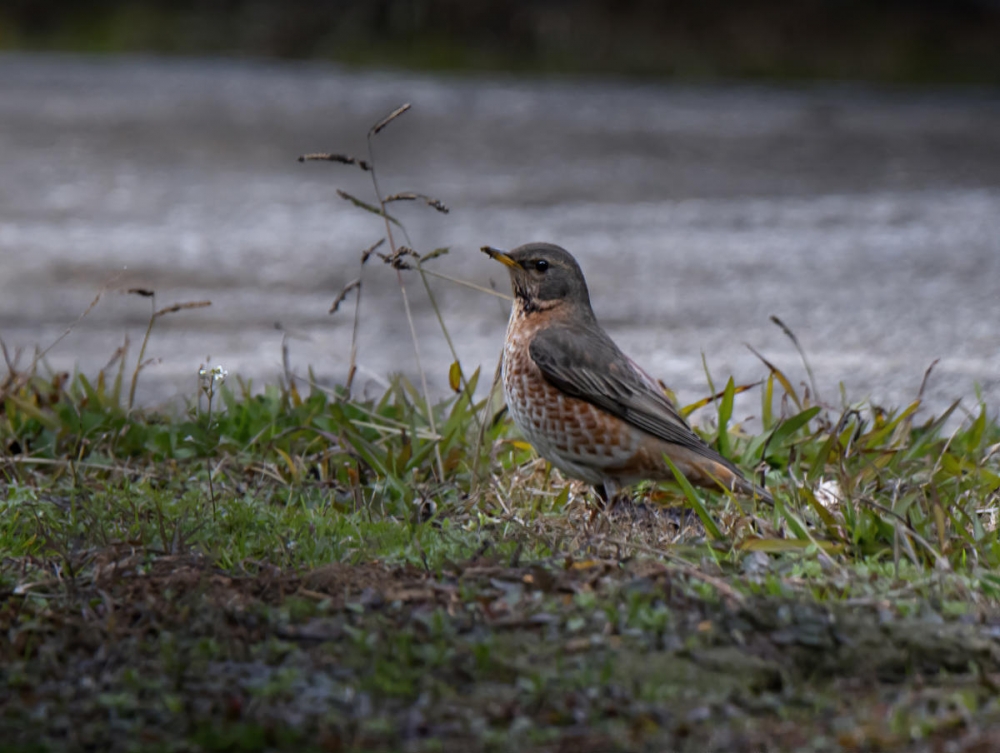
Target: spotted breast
577, 437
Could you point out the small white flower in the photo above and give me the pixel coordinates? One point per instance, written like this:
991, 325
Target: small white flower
828, 493
209, 379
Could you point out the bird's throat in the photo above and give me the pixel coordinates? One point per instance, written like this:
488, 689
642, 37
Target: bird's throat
525, 305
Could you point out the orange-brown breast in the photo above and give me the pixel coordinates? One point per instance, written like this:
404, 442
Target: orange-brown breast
582, 440
577, 437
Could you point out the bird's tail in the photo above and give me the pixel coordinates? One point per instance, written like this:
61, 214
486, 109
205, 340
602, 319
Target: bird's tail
709, 469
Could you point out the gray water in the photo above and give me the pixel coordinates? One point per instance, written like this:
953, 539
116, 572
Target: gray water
867, 220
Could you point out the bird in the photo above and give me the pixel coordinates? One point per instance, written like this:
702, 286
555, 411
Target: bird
584, 405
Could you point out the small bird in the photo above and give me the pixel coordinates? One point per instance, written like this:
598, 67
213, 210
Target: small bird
584, 405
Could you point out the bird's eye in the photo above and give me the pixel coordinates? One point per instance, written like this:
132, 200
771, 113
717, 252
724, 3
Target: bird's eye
541, 265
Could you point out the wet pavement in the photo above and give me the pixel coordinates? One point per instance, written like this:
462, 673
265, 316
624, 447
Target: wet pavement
867, 220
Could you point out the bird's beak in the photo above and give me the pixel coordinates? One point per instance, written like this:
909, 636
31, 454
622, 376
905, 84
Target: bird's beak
501, 256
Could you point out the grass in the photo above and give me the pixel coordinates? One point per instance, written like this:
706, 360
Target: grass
302, 567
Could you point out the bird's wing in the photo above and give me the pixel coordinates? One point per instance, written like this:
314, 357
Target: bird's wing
592, 368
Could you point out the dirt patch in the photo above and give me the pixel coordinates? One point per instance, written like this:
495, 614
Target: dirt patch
342, 582
569, 655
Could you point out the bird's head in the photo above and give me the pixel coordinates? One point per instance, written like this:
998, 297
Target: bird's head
543, 276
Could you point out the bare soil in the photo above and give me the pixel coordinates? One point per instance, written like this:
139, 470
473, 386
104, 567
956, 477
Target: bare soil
173, 653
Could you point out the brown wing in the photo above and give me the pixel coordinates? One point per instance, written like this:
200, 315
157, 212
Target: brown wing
586, 364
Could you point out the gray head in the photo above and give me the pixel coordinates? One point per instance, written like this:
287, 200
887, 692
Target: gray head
543, 276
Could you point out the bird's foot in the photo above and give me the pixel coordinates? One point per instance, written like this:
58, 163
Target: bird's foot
609, 498
610, 506
629, 510
648, 513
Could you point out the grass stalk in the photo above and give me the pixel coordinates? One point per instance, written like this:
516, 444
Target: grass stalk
375, 130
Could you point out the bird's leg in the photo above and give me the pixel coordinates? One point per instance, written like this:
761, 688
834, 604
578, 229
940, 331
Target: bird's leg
606, 497
610, 494
619, 504
602, 502
602, 494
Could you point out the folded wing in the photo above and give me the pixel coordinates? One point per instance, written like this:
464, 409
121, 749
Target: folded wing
594, 369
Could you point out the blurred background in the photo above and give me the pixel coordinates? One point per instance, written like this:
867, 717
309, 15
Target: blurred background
885, 40
834, 163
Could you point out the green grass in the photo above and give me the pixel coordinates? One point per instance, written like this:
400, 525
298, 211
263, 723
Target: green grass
339, 592
301, 480
297, 567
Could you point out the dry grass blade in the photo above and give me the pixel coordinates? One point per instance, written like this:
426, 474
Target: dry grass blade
927, 375
428, 200
12, 381
12, 373
456, 361
464, 283
381, 211
286, 336
11, 363
352, 285
420, 369
157, 313
286, 366
119, 354
377, 128
343, 159
367, 207
481, 435
182, 307
352, 367
86, 312
779, 375
687, 410
366, 254
395, 259
435, 253
802, 354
